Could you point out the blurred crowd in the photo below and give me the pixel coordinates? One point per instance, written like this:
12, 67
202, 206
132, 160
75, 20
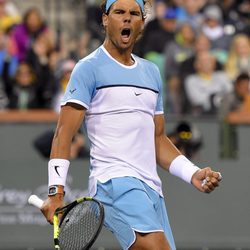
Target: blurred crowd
35, 64
201, 47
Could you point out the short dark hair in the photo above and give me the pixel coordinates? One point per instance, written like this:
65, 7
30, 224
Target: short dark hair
103, 6
242, 77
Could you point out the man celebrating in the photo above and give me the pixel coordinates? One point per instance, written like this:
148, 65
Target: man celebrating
120, 97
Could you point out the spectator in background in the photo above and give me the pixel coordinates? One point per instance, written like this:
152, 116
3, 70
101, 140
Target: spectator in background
23, 89
187, 67
3, 97
81, 46
79, 149
214, 30
190, 12
7, 18
8, 62
229, 12
233, 18
154, 51
243, 10
206, 88
66, 69
202, 43
187, 138
94, 20
38, 55
235, 107
56, 60
24, 34
175, 53
239, 56
161, 37
179, 50
153, 25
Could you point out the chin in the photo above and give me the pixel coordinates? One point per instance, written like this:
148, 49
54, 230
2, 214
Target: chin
125, 46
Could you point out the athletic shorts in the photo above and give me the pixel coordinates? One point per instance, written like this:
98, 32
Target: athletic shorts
131, 205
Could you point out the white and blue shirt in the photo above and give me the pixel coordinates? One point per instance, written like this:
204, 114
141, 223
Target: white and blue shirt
121, 102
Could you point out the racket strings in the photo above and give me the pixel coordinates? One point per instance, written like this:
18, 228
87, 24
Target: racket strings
80, 226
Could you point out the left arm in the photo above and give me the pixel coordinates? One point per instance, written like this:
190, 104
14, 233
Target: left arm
170, 158
166, 151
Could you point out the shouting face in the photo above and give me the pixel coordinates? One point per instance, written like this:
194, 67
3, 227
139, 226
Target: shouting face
123, 24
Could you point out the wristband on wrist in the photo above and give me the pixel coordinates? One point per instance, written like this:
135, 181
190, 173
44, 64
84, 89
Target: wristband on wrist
57, 171
183, 168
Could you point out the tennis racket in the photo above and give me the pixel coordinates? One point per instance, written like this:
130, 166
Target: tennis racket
80, 224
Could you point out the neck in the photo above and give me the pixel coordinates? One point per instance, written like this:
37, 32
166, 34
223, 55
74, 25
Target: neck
121, 55
205, 75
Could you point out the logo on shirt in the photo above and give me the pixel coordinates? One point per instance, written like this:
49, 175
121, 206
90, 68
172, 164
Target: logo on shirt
72, 91
137, 94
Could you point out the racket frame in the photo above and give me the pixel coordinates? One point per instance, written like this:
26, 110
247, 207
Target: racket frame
65, 210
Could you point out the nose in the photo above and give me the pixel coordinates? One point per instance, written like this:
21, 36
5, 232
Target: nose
127, 17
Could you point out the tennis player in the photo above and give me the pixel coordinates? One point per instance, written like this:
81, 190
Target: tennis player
120, 97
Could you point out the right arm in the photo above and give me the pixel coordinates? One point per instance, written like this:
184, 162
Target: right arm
70, 119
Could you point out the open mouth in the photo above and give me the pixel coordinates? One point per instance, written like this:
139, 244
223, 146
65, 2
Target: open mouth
125, 34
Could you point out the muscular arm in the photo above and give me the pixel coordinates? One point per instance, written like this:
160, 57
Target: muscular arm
70, 119
166, 152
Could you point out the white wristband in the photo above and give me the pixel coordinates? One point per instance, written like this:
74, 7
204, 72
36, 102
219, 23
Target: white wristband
183, 168
58, 170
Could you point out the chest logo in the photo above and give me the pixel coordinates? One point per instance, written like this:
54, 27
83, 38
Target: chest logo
72, 91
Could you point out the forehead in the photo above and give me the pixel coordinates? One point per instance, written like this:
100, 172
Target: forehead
205, 56
202, 38
125, 4
243, 82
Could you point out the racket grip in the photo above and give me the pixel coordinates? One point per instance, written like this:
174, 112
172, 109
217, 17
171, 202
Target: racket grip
35, 201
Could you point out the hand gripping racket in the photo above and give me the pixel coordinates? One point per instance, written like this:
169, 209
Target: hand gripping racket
80, 224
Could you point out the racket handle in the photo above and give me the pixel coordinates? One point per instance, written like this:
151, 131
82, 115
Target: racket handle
35, 201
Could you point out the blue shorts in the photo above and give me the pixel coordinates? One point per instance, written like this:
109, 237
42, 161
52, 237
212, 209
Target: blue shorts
131, 205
